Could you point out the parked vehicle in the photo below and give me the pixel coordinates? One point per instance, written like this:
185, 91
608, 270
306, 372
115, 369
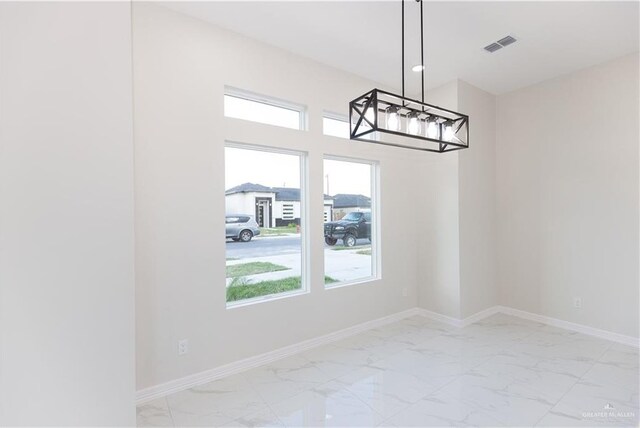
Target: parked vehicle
350, 228
241, 227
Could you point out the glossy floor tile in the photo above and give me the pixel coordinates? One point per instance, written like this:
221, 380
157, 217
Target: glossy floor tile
501, 371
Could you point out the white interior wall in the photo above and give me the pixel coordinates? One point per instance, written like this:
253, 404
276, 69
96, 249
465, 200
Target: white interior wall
66, 215
438, 246
457, 259
179, 80
567, 191
477, 202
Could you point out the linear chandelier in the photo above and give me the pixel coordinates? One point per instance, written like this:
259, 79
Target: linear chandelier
381, 117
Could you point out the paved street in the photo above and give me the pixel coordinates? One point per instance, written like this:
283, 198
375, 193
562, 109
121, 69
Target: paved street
263, 246
268, 246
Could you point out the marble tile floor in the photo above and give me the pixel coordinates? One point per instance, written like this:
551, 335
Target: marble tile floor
501, 371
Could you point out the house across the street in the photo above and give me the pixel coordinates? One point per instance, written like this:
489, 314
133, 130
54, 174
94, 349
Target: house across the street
344, 203
272, 206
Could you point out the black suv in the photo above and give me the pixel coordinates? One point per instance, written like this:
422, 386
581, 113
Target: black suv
350, 228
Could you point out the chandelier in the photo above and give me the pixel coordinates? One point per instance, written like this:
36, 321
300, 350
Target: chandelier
381, 117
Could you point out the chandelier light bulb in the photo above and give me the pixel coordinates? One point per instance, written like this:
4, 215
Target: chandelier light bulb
393, 119
432, 128
448, 132
369, 115
414, 123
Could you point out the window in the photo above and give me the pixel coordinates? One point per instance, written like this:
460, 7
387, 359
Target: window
264, 203
256, 108
351, 244
287, 212
337, 125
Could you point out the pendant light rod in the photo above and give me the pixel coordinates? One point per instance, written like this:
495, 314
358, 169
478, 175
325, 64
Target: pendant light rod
422, 45
402, 48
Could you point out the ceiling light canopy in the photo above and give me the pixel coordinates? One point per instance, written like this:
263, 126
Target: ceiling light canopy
396, 120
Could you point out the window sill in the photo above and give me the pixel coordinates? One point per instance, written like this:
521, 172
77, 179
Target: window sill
265, 299
367, 280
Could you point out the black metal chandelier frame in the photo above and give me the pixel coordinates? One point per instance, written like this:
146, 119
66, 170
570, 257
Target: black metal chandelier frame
437, 129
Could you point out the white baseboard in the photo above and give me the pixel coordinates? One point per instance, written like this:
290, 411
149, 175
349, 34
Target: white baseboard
164, 389
568, 325
445, 319
480, 315
151, 393
455, 322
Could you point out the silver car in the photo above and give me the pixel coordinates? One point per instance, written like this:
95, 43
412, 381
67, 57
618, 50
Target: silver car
241, 227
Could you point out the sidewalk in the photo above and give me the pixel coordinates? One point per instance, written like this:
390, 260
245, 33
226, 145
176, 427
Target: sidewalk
283, 235
345, 265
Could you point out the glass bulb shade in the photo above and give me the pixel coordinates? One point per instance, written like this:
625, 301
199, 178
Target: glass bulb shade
413, 126
432, 129
393, 119
448, 132
369, 115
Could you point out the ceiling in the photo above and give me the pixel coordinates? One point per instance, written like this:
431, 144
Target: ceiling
363, 37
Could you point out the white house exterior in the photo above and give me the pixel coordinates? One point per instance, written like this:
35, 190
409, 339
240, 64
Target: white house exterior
344, 203
328, 210
270, 206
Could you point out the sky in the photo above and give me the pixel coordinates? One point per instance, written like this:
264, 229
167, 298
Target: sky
283, 170
347, 177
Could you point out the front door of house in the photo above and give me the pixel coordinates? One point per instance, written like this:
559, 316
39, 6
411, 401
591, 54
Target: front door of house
263, 212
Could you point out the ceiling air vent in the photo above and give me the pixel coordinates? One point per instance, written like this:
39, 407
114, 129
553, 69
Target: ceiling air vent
506, 41
503, 42
492, 47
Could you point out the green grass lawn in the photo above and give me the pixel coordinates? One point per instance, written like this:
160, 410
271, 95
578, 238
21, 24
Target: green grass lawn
244, 269
277, 231
241, 289
356, 247
366, 252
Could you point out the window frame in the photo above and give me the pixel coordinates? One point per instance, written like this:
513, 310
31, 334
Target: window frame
243, 94
342, 118
305, 265
376, 246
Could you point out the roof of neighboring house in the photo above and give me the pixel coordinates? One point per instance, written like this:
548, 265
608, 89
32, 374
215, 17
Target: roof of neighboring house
248, 187
286, 193
344, 200
282, 193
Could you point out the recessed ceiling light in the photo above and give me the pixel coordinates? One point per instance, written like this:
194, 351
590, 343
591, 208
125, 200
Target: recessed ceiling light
417, 68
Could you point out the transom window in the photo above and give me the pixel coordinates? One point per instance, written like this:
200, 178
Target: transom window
337, 125
262, 109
